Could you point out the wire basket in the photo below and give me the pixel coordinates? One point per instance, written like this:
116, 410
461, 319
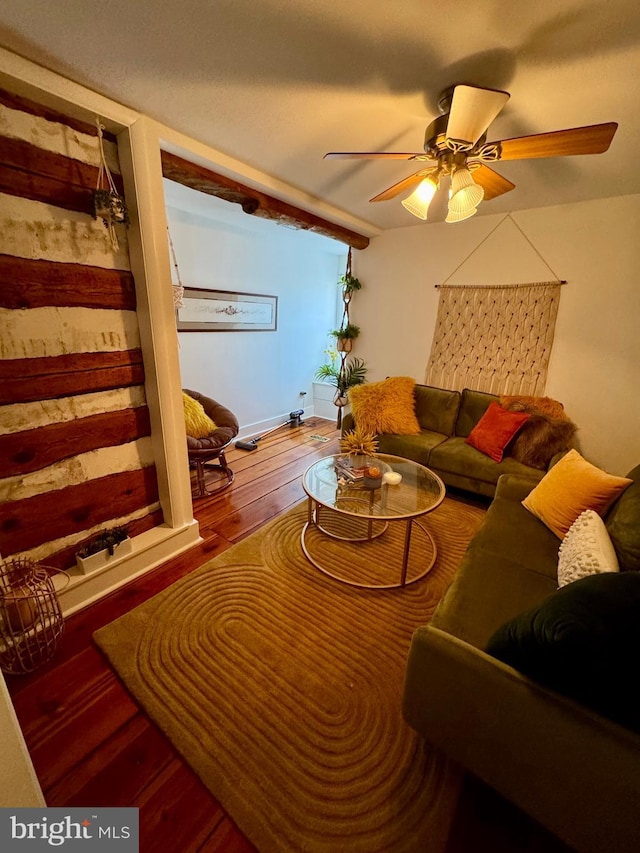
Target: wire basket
30, 617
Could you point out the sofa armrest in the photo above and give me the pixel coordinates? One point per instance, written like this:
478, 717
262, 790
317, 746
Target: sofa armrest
575, 772
515, 487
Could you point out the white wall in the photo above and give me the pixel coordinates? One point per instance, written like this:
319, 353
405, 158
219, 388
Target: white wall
595, 364
258, 375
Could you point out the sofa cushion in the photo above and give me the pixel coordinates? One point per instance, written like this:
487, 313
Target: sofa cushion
488, 590
586, 549
455, 456
387, 406
473, 405
623, 524
584, 642
570, 487
436, 408
509, 530
495, 429
415, 447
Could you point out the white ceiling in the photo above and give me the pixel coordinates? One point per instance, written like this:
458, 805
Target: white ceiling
278, 83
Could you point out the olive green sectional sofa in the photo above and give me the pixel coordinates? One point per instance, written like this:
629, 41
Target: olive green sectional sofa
446, 419
570, 767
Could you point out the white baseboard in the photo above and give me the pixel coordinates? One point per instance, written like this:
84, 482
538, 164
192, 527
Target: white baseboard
150, 550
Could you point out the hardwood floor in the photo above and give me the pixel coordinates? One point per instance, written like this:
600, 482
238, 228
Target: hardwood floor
89, 741
92, 745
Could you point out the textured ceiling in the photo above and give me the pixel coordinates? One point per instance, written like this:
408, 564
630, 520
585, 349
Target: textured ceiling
278, 83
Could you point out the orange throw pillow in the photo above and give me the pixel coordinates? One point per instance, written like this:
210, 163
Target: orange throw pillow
385, 407
570, 487
494, 431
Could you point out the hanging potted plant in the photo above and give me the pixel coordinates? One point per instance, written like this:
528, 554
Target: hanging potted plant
345, 376
345, 337
349, 285
107, 203
348, 373
102, 548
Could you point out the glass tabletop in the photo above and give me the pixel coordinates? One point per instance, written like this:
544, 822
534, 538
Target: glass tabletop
418, 492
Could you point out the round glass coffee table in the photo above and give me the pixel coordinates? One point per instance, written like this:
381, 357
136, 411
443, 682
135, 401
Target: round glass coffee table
352, 532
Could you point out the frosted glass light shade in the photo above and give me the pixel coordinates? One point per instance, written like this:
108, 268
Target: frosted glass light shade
465, 193
420, 199
459, 217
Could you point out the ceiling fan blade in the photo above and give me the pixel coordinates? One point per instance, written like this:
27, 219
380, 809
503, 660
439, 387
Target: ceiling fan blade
472, 111
593, 139
403, 186
491, 182
375, 155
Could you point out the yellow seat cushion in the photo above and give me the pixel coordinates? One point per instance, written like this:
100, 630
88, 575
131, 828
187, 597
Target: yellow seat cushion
197, 422
385, 407
569, 488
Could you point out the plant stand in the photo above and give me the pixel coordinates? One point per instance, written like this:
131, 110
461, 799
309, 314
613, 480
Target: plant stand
344, 347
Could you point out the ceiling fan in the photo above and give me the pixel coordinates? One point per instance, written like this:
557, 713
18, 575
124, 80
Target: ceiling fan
456, 142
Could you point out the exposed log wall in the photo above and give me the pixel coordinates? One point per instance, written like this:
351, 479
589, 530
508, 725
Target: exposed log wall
75, 449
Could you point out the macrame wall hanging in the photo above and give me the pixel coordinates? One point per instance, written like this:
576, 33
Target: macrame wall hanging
178, 289
108, 204
494, 338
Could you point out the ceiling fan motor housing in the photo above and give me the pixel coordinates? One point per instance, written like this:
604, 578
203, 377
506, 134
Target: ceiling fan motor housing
435, 135
435, 141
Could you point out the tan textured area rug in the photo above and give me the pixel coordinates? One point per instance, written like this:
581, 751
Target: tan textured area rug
282, 688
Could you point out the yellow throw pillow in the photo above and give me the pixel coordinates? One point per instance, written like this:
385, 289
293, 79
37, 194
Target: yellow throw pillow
569, 488
385, 407
197, 422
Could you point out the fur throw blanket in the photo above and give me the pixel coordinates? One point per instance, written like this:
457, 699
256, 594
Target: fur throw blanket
547, 432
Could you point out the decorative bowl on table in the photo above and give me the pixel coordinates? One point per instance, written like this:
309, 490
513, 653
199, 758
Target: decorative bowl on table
372, 478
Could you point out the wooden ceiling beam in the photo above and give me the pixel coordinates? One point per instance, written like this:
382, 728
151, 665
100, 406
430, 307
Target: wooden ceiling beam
255, 202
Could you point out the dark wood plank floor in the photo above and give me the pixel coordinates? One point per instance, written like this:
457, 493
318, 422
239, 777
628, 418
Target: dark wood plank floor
90, 743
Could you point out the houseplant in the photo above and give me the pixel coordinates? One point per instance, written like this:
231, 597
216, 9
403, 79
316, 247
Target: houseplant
345, 336
349, 285
352, 371
343, 376
99, 550
359, 443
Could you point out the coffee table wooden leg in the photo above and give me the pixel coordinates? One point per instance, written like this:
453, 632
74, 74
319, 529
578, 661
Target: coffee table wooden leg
405, 556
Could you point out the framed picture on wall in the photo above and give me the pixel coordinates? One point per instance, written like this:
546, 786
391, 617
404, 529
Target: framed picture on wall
226, 311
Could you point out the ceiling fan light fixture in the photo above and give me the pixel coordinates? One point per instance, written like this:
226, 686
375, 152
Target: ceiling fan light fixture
460, 217
465, 193
418, 202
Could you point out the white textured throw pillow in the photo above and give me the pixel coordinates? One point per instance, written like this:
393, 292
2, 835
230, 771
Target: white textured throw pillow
586, 549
